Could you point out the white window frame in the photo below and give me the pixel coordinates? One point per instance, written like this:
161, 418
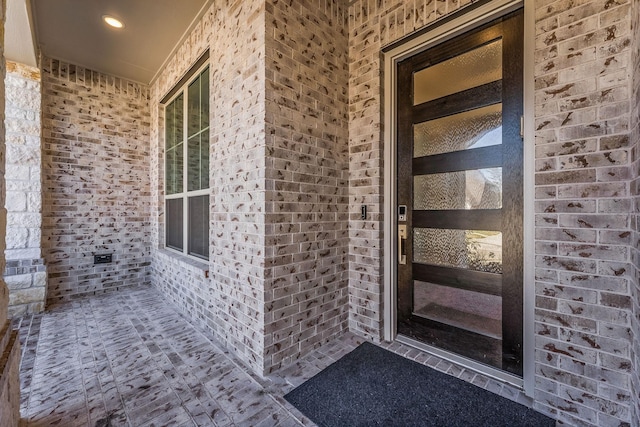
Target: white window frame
185, 194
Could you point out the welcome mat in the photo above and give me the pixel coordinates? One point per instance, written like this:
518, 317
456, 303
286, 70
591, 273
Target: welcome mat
372, 386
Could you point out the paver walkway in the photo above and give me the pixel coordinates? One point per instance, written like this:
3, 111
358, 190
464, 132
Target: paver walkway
128, 358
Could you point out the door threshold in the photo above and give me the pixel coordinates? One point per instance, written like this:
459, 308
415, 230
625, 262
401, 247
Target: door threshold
480, 368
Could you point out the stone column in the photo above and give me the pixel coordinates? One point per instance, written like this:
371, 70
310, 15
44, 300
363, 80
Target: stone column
9, 343
25, 273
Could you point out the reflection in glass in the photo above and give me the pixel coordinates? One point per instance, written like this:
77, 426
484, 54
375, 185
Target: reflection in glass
469, 249
471, 69
174, 120
173, 146
204, 159
193, 118
170, 125
170, 171
471, 189
173, 169
477, 128
193, 163
204, 99
198, 162
473, 311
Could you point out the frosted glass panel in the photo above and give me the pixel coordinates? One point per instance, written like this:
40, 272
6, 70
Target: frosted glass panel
473, 311
477, 128
470, 249
472, 69
472, 189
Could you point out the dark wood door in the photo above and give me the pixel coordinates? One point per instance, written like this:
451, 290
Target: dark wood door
460, 176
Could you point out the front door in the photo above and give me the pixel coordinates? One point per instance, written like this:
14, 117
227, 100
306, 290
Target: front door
459, 191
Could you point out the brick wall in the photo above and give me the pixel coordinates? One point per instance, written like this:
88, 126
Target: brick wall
583, 304
184, 283
9, 343
232, 299
307, 177
583, 205
25, 272
278, 179
96, 196
635, 193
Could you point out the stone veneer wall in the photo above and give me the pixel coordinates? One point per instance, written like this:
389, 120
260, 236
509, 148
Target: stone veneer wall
231, 301
25, 273
583, 239
306, 291
96, 196
9, 343
635, 193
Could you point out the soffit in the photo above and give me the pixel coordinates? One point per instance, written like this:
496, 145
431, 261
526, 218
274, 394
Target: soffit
19, 42
73, 31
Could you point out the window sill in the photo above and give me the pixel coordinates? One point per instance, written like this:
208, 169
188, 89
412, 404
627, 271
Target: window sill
190, 262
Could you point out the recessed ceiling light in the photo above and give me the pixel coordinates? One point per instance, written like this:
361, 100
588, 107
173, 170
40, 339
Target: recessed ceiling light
112, 22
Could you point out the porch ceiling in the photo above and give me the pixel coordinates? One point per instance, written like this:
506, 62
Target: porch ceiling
73, 31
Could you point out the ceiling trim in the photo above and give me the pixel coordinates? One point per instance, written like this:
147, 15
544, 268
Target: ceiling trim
182, 39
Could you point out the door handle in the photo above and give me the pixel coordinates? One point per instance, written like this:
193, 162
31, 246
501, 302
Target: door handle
402, 237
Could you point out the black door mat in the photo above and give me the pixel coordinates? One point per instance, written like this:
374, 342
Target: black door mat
372, 386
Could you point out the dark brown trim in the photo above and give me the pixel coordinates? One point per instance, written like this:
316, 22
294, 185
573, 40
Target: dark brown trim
194, 68
470, 99
405, 183
476, 158
512, 176
460, 278
478, 219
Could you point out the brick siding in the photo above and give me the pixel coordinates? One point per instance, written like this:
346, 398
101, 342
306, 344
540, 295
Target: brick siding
635, 204
95, 174
306, 291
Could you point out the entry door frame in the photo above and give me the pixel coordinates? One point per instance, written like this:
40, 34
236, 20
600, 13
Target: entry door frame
392, 55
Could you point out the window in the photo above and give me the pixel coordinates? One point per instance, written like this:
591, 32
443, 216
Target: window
187, 168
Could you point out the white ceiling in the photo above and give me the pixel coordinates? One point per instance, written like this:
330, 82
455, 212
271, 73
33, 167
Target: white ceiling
73, 31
